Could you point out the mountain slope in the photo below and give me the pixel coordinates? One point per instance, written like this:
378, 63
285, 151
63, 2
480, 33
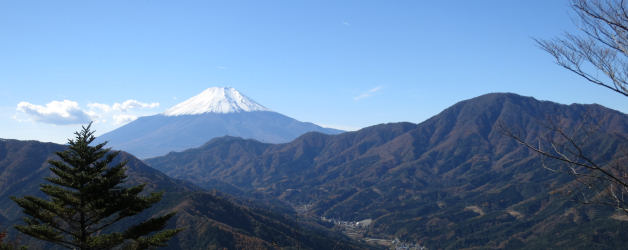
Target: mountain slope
453, 181
212, 220
213, 113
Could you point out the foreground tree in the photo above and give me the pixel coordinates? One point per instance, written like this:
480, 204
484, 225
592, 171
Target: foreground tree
599, 54
87, 196
9, 245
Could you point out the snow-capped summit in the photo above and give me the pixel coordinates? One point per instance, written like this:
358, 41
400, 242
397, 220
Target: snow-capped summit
213, 113
215, 100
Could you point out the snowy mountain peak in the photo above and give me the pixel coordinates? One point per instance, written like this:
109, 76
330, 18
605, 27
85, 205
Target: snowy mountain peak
215, 100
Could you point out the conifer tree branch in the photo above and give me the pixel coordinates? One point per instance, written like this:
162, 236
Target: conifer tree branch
88, 196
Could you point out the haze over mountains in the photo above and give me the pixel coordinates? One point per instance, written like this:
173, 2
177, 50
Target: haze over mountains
215, 112
453, 181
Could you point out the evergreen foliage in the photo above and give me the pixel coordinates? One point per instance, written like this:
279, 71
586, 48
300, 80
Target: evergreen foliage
87, 196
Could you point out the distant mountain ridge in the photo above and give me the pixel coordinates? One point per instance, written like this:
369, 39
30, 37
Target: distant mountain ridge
211, 220
452, 181
213, 113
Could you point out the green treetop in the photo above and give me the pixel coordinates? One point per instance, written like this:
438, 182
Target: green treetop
86, 197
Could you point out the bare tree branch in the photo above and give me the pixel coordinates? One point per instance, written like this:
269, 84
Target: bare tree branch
598, 54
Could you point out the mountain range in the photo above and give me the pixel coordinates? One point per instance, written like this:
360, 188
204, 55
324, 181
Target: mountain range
453, 181
215, 112
211, 220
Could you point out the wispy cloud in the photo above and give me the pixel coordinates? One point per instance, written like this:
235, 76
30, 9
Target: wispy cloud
368, 93
345, 23
132, 104
56, 112
125, 106
69, 112
123, 119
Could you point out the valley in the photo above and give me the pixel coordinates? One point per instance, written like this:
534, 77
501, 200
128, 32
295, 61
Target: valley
452, 181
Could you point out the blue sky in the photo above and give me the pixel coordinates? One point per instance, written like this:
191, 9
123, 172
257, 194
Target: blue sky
343, 64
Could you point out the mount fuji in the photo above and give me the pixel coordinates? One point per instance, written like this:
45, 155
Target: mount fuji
215, 112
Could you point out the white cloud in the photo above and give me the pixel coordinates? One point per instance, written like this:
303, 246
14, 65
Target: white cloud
368, 93
345, 23
123, 119
122, 107
69, 112
56, 112
99, 106
132, 104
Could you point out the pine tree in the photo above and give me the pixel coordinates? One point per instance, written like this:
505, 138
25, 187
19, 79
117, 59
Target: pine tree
87, 197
